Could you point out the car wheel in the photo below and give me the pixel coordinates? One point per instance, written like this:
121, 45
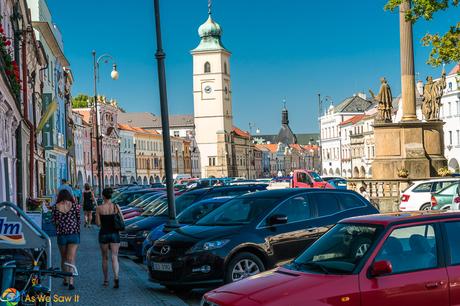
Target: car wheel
426, 206
243, 265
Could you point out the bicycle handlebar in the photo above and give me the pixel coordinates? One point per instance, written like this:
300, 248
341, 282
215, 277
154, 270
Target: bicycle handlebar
51, 272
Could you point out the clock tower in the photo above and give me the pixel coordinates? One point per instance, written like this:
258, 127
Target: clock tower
212, 98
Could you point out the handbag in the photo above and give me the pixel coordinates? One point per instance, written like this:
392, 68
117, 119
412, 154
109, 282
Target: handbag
118, 222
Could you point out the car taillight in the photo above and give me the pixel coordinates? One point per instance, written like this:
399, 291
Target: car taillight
434, 202
405, 198
457, 200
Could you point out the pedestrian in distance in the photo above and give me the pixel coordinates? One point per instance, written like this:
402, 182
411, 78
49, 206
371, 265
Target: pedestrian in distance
66, 217
363, 192
77, 194
89, 202
107, 215
64, 186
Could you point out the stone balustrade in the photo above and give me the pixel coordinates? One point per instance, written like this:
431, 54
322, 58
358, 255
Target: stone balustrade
384, 194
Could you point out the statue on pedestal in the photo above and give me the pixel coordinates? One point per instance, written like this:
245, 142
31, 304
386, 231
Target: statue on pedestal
432, 94
384, 99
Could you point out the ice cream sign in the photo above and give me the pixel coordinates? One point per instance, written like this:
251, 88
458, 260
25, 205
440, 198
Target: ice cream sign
11, 232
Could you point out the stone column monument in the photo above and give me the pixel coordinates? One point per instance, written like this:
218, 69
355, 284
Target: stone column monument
410, 148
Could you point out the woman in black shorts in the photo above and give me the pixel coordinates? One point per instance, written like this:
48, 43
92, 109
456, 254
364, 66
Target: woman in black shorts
88, 204
109, 237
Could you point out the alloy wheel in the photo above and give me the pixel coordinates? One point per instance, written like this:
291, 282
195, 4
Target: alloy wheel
243, 269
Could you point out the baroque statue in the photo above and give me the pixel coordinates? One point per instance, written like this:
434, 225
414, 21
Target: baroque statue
432, 94
385, 99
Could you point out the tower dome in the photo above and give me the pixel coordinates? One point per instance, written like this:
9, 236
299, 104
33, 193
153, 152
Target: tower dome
210, 28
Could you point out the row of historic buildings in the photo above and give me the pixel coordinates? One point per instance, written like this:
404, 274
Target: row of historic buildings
347, 135
35, 83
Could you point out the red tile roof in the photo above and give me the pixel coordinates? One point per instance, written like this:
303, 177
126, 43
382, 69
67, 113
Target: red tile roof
456, 69
353, 120
85, 113
240, 132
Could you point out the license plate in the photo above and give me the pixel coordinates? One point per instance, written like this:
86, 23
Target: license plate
159, 266
124, 244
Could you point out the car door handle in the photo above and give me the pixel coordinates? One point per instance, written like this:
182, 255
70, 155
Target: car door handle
433, 285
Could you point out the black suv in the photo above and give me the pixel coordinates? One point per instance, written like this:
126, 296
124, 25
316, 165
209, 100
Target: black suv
249, 234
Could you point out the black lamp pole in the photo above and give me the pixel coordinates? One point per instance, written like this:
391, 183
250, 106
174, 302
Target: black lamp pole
160, 56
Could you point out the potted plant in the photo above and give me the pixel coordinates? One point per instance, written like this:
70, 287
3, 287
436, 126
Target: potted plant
444, 171
403, 173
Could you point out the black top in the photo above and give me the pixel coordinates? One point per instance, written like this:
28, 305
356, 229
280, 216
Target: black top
87, 198
108, 224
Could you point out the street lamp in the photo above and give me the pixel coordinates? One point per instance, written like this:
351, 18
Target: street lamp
114, 75
160, 56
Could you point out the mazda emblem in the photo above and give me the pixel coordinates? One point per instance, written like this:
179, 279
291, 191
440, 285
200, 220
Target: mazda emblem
165, 250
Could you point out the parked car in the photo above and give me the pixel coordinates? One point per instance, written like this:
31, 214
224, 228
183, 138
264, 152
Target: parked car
300, 179
445, 198
135, 233
378, 260
187, 217
249, 234
126, 197
418, 195
336, 182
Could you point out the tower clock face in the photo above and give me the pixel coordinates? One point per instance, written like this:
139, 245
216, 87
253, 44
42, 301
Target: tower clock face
208, 89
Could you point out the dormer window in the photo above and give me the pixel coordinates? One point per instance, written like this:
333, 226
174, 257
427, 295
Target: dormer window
207, 67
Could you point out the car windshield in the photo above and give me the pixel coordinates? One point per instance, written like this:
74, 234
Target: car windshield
154, 206
242, 210
197, 211
449, 190
185, 200
339, 251
140, 199
316, 176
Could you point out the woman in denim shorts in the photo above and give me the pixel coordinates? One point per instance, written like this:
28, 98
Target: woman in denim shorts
66, 217
109, 237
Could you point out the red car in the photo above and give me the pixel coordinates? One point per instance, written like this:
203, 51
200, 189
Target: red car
399, 259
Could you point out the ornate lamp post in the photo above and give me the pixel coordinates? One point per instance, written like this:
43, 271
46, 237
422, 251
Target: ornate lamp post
251, 126
114, 75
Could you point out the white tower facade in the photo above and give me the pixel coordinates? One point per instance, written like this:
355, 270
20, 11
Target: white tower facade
212, 97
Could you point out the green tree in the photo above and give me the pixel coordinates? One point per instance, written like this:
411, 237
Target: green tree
445, 48
82, 101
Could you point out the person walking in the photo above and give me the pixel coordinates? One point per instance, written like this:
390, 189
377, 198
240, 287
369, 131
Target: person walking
77, 194
66, 217
109, 235
89, 202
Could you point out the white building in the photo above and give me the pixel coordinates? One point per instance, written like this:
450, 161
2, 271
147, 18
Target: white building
331, 138
9, 117
79, 134
212, 95
127, 154
450, 113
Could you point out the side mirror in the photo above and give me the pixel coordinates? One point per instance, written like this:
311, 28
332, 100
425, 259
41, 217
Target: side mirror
277, 219
380, 268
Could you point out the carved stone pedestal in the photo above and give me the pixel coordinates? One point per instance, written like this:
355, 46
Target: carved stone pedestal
416, 146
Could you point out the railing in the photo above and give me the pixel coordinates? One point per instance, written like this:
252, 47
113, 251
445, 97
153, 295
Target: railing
384, 194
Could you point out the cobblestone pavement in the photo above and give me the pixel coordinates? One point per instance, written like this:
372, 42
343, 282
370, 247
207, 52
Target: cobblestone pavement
135, 289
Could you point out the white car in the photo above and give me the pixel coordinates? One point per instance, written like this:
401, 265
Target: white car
418, 195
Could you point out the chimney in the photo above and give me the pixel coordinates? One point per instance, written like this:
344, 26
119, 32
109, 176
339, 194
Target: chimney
420, 87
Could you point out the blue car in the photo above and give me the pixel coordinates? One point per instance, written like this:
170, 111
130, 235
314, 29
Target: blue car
336, 182
188, 216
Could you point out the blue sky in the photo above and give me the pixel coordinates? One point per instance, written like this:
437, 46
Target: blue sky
292, 48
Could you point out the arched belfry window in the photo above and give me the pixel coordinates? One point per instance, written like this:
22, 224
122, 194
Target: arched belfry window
225, 68
207, 67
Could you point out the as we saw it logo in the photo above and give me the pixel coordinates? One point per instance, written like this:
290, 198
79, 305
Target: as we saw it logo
11, 232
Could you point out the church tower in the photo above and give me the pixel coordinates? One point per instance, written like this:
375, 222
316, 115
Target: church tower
212, 96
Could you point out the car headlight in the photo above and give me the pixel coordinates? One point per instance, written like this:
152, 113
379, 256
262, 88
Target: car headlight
209, 245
